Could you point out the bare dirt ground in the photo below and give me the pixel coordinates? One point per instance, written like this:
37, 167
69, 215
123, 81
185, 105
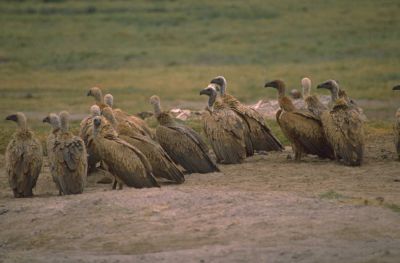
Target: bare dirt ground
268, 209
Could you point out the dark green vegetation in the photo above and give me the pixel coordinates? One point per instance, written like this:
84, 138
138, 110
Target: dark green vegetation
51, 52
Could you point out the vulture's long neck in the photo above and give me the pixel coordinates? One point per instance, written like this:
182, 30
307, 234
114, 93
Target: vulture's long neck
334, 93
281, 90
55, 124
211, 100
22, 123
98, 96
64, 124
306, 91
223, 89
111, 118
157, 109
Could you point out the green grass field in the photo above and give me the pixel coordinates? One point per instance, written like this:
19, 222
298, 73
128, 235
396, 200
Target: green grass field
51, 52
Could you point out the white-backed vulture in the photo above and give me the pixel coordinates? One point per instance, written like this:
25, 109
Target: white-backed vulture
163, 166
302, 128
97, 94
124, 161
313, 104
54, 120
136, 122
24, 158
86, 133
246, 128
70, 160
182, 143
337, 92
344, 129
260, 134
223, 128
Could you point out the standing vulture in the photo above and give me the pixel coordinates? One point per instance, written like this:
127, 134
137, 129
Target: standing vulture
162, 165
344, 129
24, 157
70, 160
182, 143
313, 104
396, 128
124, 161
86, 133
135, 122
54, 120
302, 128
260, 134
223, 128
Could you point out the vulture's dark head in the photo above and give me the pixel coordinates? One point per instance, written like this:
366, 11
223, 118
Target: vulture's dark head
12, 117
220, 81
329, 84
276, 84
209, 91
397, 87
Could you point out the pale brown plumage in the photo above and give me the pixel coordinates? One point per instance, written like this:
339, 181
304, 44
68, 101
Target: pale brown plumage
344, 129
352, 104
182, 143
313, 104
302, 128
70, 160
97, 94
136, 123
337, 93
260, 134
224, 129
123, 160
396, 128
162, 165
24, 157
86, 133
54, 120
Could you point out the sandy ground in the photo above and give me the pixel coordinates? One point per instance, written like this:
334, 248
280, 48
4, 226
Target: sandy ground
268, 209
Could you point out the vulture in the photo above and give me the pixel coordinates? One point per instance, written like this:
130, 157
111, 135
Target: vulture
86, 133
302, 128
124, 161
223, 128
352, 104
97, 94
260, 134
396, 128
163, 166
68, 159
24, 158
54, 120
136, 122
343, 126
337, 92
313, 104
182, 143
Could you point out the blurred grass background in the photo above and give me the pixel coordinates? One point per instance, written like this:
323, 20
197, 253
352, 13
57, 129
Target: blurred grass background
52, 51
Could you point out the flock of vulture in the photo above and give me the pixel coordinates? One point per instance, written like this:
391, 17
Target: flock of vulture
138, 157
